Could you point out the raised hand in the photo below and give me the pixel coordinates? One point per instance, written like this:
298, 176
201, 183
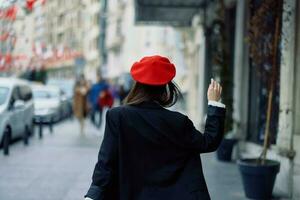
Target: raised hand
214, 91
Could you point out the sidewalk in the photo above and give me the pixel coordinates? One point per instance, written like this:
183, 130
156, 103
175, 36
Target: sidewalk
223, 179
59, 167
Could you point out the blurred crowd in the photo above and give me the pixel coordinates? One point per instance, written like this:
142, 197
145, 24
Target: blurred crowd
91, 100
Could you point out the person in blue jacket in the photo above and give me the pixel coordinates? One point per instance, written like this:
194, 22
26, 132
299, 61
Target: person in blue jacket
93, 98
149, 152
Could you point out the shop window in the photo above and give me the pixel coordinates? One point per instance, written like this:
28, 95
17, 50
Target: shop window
264, 72
258, 101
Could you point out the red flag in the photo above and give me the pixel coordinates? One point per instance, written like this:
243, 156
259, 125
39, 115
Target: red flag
30, 4
8, 58
11, 12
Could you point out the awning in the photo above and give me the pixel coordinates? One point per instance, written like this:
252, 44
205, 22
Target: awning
167, 12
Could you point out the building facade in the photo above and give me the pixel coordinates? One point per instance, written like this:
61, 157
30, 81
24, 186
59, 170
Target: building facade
25, 38
63, 35
72, 33
249, 93
91, 36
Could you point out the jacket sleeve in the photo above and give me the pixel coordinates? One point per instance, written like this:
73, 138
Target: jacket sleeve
105, 168
214, 130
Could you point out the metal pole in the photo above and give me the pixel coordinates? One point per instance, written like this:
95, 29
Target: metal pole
40, 129
25, 137
51, 125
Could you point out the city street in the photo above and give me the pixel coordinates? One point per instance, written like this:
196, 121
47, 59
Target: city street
59, 167
59, 58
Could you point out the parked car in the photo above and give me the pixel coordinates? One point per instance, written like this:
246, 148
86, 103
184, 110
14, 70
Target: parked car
48, 106
67, 89
16, 108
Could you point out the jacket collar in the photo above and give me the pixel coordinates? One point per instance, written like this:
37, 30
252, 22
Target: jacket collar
149, 104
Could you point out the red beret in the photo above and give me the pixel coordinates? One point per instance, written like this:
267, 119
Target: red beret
153, 70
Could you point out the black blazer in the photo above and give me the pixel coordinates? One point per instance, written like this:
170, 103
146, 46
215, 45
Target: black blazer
151, 153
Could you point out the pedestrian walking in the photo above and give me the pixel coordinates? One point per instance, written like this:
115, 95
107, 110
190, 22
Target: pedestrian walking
149, 152
93, 98
80, 106
106, 99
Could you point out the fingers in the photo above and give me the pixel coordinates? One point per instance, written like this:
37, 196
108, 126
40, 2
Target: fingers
211, 85
215, 86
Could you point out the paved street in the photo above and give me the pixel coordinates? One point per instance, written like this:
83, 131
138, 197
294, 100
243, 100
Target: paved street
59, 167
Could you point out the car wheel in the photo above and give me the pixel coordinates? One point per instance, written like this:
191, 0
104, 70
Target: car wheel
6, 140
6, 131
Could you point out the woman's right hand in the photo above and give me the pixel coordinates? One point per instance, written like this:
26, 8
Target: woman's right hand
214, 91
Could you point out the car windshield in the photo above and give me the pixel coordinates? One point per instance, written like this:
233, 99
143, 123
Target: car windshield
66, 86
3, 94
45, 94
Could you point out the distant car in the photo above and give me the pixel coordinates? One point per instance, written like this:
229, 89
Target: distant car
16, 108
47, 104
67, 90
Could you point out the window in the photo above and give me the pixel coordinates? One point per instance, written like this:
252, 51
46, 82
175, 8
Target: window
61, 19
25, 93
259, 83
119, 27
60, 37
79, 18
45, 94
14, 97
3, 94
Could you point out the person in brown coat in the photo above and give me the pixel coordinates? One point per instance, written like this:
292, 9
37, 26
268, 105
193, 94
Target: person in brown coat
80, 106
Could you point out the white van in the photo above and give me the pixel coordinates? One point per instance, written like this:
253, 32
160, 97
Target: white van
16, 108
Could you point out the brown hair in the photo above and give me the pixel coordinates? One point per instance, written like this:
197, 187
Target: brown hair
166, 95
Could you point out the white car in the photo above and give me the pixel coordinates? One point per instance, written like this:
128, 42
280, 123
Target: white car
67, 89
16, 108
47, 104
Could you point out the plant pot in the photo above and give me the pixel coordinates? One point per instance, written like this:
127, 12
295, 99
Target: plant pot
225, 149
258, 179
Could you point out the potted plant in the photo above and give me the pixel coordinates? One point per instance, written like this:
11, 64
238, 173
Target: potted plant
222, 59
259, 174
